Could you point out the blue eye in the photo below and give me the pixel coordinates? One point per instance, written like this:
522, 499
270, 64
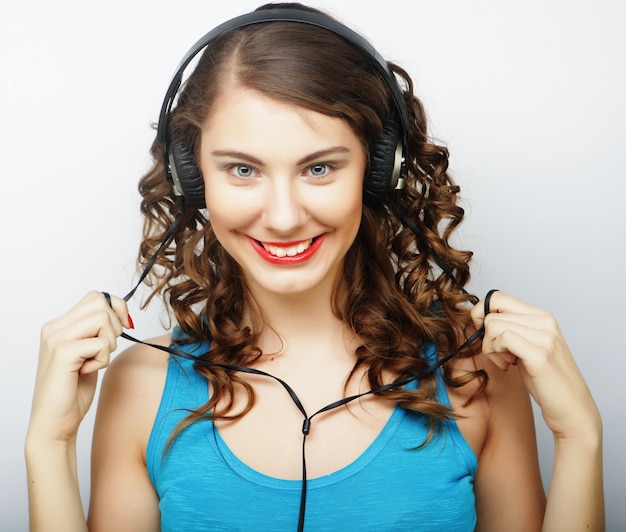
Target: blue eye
318, 169
243, 170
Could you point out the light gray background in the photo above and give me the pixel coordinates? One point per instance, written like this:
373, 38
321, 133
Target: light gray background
528, 95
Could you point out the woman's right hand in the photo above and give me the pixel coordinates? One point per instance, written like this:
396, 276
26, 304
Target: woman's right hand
74, 347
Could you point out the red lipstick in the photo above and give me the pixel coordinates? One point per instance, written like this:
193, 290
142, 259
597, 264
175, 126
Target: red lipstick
296, 259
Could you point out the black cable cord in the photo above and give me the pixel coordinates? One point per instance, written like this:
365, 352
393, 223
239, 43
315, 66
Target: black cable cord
418, 235
306, 425
166, 240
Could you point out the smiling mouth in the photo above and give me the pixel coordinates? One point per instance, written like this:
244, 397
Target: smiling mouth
287, 250
288, 253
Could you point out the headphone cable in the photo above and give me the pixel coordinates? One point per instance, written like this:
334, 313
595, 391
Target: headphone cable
306, 425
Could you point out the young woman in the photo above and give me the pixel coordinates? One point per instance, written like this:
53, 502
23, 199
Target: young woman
327, 371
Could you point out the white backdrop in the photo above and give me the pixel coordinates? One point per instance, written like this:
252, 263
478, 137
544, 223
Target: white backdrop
528, 95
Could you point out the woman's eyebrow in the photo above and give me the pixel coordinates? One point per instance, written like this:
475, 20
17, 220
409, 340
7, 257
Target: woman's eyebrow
320, 154
237, 155
307, 158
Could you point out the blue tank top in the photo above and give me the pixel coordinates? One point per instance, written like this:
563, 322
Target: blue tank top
392, 486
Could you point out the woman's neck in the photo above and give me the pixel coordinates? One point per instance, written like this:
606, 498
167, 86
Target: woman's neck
301, 325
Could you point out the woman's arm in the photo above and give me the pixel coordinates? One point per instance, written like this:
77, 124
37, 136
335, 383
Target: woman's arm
74, 347
54, 497
521, 335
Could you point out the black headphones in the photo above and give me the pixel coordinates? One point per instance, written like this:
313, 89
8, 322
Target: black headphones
387, 154
387, 158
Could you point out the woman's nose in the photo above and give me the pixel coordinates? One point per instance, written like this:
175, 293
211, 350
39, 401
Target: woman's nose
283, 210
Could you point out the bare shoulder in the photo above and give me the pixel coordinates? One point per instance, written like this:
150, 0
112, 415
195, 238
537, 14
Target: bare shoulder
122, 495
484, 413
469, 404
503, 387
139, 362
133, 385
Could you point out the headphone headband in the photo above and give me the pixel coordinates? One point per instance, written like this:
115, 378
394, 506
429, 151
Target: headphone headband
303, 17
286, 15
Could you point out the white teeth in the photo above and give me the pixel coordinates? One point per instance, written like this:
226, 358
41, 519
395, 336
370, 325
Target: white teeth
291, 251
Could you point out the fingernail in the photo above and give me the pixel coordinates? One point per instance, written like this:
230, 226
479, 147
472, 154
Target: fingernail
131, 325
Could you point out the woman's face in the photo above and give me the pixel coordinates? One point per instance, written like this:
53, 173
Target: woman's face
283, 190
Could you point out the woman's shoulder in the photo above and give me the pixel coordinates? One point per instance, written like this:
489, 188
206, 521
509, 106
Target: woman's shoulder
498, 381
141, 359
133, 385
479, 409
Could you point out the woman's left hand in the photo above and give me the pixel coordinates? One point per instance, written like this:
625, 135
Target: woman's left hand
517, 333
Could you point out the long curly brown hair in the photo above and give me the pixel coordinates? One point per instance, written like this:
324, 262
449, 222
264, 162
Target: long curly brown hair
391, 293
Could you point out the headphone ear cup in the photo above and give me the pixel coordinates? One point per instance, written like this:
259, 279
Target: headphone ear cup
383, 165
189, 176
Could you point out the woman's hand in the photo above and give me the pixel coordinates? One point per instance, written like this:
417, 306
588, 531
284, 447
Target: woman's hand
74, 347
517, 333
